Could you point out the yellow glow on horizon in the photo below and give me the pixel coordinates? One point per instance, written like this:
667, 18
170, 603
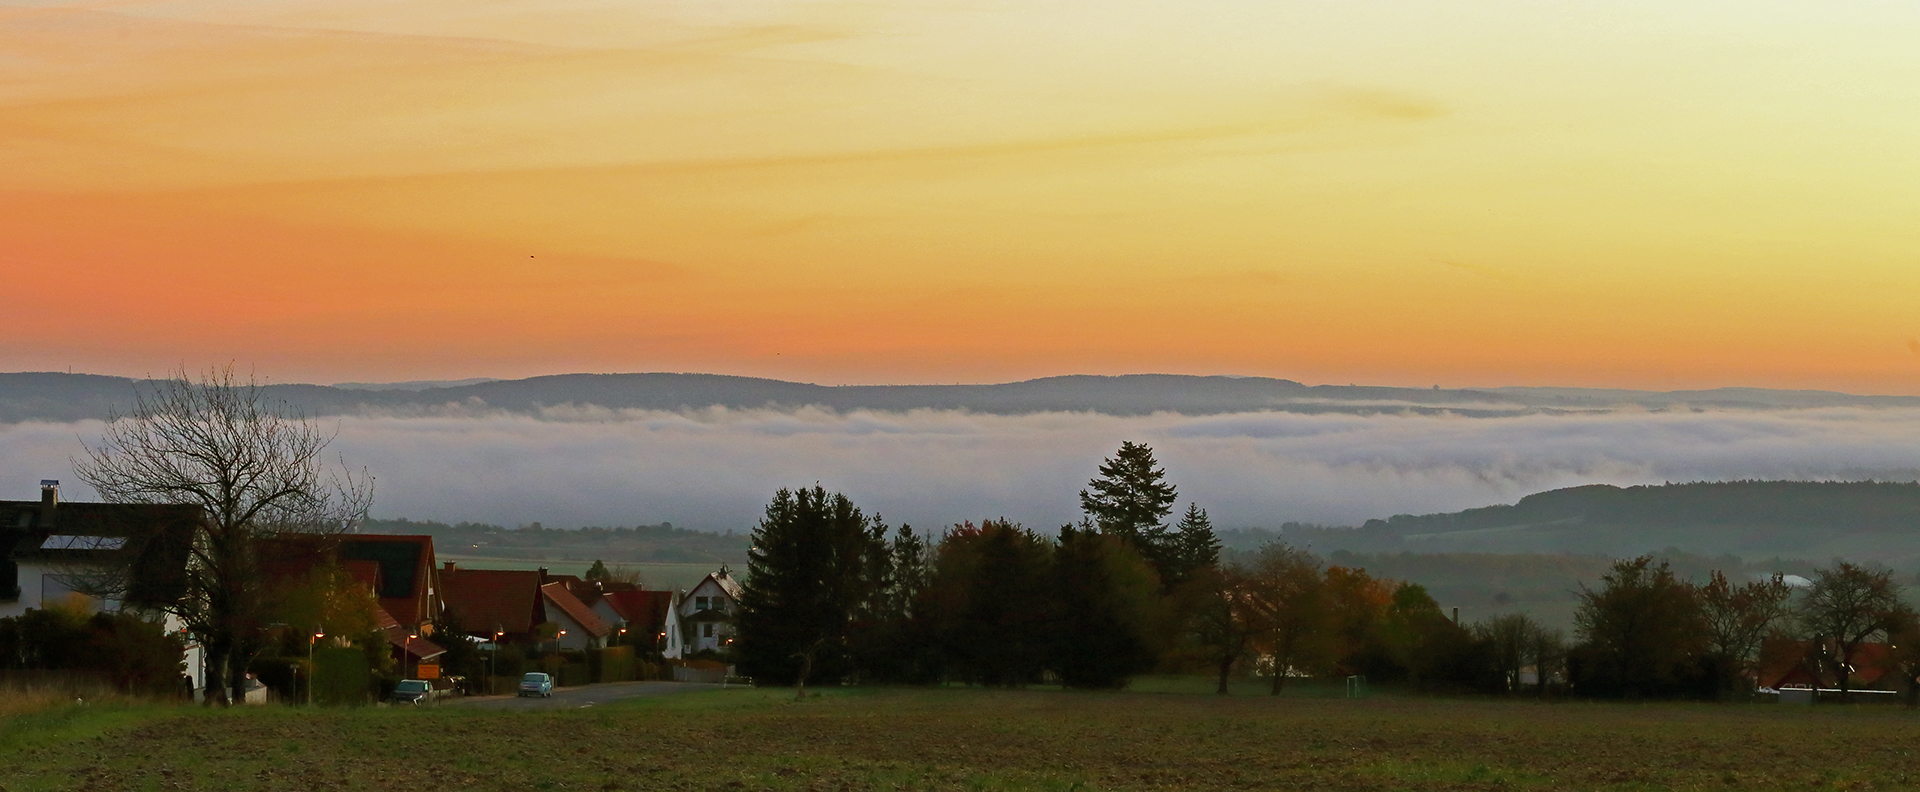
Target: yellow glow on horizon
1477, 193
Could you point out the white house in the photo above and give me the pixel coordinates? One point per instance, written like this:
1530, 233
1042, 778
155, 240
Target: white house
113, 556
702, 617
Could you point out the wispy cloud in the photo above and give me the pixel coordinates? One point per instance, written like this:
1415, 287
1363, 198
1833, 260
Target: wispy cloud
715, 469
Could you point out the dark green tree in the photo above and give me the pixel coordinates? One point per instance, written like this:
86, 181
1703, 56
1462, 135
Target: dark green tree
1195, 544
1131, 499
1109, 610
598, 572
1641, 632
990, 603
807, 577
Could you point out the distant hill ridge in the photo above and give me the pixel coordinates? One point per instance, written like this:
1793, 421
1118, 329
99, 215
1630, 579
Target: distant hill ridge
47, 396
1866, 520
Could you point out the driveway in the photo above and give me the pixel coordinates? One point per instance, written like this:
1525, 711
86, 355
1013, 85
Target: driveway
579, 697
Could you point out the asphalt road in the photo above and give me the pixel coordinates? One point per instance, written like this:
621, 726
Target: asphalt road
579, 697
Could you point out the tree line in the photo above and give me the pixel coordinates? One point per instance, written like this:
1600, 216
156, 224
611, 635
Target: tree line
835, 594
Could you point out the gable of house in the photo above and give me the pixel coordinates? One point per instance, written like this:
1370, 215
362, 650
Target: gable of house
563, 602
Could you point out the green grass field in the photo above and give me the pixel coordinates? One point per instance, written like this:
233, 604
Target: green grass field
961, 739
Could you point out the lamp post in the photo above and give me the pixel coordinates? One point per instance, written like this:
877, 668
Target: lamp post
317, 635
407, 651
493, 659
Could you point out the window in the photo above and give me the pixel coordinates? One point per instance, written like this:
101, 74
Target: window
699, 603
706, 630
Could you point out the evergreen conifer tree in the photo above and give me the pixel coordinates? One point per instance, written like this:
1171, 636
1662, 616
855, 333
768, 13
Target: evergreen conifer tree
1131, 499
1198, 546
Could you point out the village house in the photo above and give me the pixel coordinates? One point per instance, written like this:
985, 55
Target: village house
115, 557
399, 570
701, 618
512, 606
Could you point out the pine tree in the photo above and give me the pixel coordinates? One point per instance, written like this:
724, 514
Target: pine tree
598, 572
1197, 544
1130, 499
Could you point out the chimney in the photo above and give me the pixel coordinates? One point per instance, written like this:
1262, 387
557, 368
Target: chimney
1456, 615
448, 568
49, 498
543, 576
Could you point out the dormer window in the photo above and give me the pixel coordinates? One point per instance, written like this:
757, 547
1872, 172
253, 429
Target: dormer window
699, 603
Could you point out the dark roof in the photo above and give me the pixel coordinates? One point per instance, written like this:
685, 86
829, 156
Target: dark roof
485, 600
158, 540
406, 572
644, 608
557, 594
420, 648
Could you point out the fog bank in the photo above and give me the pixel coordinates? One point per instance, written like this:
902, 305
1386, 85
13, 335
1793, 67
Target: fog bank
714, 469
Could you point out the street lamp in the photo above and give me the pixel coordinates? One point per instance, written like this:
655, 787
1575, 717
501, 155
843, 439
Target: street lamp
317, 635
493, 659
407, 650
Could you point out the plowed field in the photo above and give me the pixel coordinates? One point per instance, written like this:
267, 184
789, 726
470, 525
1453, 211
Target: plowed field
971, 740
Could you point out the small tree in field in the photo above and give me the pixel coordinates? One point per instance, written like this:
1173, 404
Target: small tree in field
254, 467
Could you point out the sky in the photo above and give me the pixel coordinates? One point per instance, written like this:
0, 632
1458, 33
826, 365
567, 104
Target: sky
1465, 193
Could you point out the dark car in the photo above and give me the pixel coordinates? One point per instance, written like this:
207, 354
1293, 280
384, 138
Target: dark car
412, 691
536, 684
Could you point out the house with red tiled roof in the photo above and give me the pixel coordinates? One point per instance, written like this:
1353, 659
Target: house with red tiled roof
1807, 665
516, 604
580, 627
490, 603
397, 569
642, 614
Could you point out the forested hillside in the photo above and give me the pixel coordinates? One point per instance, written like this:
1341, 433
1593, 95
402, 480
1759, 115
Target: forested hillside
655, 544
1875, 522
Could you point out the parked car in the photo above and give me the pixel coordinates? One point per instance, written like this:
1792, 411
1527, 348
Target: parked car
536, 684
412, 691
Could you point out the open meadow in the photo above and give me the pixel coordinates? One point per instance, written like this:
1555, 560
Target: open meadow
969, 739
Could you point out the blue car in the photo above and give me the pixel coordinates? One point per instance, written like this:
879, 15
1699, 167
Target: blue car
536, 684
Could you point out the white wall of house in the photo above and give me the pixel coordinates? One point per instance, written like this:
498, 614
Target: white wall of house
576, 636
671, 645
702, 635
42, 583
605, 611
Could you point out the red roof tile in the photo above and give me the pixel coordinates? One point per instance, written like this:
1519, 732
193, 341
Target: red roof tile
486, 600
645, 609
557, 594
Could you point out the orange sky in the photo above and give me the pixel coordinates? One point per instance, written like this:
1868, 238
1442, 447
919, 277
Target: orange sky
1461, 193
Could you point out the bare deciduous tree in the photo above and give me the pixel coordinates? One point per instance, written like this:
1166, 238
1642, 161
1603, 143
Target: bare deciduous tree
1738, 619
1847, 606
254, 467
